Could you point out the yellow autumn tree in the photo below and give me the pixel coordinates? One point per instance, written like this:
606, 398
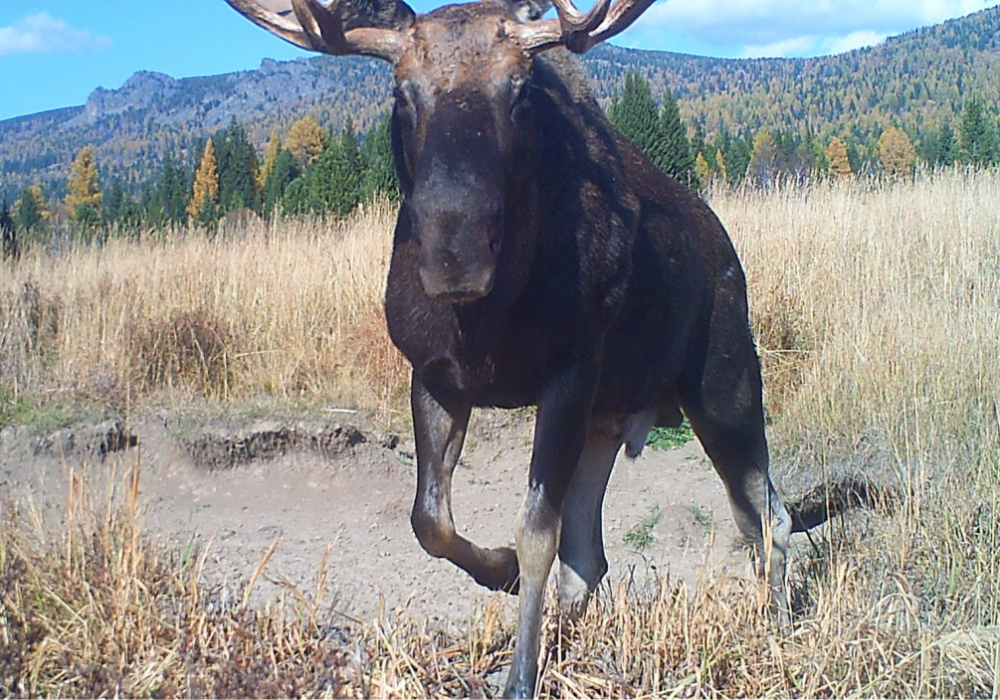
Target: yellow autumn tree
84, 198
270, 155
720, 160
702, 168
896, 152
305, 140
840, 164
205, 197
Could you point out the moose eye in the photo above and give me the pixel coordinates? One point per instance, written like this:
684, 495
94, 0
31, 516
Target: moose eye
519, 89
403, 94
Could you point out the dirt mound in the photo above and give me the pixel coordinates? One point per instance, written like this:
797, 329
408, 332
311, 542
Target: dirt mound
100, 439
224, 446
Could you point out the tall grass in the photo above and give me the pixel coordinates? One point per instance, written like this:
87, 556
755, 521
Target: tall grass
289, 311
876, 311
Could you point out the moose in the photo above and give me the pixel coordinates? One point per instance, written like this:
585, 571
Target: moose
540, 260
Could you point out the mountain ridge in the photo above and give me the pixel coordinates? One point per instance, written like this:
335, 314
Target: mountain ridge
916, 80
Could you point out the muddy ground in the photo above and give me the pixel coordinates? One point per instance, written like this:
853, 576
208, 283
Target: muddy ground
235, 485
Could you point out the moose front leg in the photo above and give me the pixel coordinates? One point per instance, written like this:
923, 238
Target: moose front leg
560, 430
439, 425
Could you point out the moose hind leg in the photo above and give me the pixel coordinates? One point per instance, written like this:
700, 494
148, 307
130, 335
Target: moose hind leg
723, 401
581, 543
742, 462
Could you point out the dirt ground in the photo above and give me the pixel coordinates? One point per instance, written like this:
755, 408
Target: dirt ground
235, 486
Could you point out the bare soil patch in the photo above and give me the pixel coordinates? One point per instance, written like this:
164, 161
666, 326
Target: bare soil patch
234, 487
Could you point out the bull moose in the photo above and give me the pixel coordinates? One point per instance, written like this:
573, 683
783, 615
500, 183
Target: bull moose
539, 259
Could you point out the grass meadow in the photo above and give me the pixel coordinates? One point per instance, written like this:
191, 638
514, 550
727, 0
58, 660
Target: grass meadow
877, 313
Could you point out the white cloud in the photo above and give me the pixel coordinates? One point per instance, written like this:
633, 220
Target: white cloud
43, 33
783, 27
795, 46
854, 40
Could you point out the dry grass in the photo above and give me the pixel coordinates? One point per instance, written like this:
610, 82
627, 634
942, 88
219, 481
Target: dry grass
876, 309
877, 315
293, 311
95, 608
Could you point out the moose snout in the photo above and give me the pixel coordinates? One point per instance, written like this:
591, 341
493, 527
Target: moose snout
458, 250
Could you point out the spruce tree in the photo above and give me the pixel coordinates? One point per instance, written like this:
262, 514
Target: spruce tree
379, 171
172, 195
111, 210
636, 116
977, 140
238, 169
30, 212
947, 146
280, 174
675, 156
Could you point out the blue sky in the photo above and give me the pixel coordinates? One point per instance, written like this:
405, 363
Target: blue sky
53, 53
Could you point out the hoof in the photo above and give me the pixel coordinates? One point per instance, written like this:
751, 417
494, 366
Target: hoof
502, 572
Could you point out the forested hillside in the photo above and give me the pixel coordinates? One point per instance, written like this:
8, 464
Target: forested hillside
917, 81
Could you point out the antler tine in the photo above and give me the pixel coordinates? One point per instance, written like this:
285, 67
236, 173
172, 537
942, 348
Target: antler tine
619, 18
572, 20
321, 28
580, 31
273, 22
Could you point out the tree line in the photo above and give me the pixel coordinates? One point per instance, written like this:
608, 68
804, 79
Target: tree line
765, 157
316, 172
308, 171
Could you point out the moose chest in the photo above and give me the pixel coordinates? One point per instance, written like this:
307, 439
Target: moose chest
496, 351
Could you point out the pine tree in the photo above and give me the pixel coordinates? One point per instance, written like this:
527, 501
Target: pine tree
737, 158
349, 176
280, 174
840, 164
334, 181
296, 198
111, 211
637, 118
31, 211
237, 167
947, 146
676, 158
84, 198
379, 171
977, 139
305, 141
173, 194
204, 204
896, 153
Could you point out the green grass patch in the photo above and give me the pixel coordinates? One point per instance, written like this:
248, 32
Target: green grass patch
20, 410
640, 535
666, 438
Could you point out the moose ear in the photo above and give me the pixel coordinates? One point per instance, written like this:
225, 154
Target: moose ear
529, 10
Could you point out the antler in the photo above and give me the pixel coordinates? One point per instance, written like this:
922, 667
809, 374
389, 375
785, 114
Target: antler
320, 28
580, 31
